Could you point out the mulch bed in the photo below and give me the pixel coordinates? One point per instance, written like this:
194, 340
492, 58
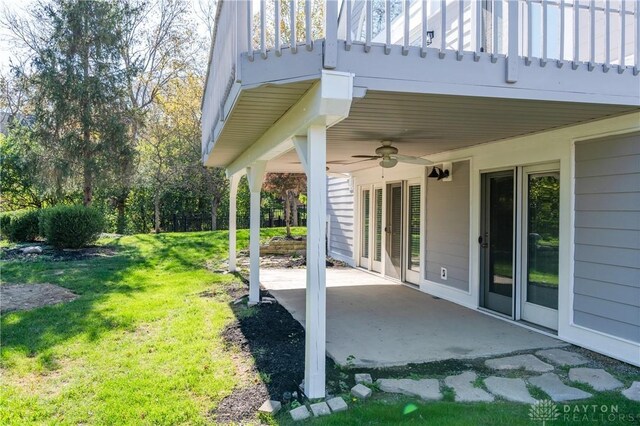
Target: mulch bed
51, 254
275, 340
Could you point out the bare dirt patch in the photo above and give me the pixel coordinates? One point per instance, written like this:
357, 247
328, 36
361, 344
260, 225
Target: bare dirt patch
22, 297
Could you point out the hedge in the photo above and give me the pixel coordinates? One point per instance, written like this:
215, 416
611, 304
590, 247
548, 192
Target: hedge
71, 226
20, 225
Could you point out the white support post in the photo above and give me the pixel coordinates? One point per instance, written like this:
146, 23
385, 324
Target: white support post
255, 176
233, 193
512, 50
315, 324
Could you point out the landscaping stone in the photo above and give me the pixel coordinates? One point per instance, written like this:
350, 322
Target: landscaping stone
337, 404
510, 389
428, 389
527, 361
361, 391
32, 250
562, 357
364, 378
462, 384
320, 409
558, 391
270, 407
633, 393
597, 378
300, 413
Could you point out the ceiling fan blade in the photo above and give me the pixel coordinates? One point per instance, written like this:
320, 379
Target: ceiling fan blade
412, 160
370, 157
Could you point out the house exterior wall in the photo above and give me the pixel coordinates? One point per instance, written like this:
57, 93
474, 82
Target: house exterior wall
447, 231
340, 210
607, 235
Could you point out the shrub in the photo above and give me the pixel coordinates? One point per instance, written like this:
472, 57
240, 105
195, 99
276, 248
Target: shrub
71, 226
20, 225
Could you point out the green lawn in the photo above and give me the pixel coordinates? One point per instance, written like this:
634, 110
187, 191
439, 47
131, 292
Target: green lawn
141, 346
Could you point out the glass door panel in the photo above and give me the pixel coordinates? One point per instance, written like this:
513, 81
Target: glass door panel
365, 208
377, 231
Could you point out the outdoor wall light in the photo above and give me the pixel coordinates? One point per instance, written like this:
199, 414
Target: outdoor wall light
442, 173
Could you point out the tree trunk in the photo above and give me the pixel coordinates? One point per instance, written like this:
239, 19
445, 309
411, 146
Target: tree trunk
214, 213
287, 214
156, 209
87, 186
121, 223
294, 209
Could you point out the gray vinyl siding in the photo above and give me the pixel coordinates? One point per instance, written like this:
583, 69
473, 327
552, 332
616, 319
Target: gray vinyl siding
340, 210
607, 236
448, 228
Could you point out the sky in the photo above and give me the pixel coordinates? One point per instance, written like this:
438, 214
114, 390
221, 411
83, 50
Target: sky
21, 5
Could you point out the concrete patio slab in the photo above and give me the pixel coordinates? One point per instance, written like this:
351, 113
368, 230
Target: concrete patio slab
382, 323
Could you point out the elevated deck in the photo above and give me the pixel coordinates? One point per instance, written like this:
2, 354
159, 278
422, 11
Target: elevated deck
434, 78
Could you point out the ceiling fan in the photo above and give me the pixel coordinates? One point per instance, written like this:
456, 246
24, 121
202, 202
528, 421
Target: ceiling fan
390, 157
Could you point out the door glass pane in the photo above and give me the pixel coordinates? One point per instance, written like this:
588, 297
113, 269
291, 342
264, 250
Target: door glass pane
365, 223
543, 225
377, 255
414, 228
396, 225
501, 235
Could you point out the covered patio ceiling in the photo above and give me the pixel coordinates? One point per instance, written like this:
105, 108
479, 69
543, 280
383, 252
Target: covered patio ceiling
418, 124
382, 323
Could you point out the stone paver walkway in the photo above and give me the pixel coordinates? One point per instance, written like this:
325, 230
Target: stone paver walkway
462, 385
510, 389
558, 391
528, 362
562, 357
633, 393
427, 389
597, 378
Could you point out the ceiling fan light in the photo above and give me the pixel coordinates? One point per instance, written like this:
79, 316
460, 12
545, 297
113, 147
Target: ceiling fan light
387, 163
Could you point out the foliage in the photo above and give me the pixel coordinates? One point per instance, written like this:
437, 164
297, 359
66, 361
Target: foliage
20, 225
71, 226
80, 82
288, 187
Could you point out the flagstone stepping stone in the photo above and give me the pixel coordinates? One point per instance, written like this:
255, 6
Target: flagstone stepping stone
320, 409
558, 391
562, 357
597, 378
364, 378
337, 404
361, 391
462, 384
300, 413
427, 389
527, 361
510, 389
633, 393
270, 407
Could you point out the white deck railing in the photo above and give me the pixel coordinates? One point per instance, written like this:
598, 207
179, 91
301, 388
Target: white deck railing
601, 33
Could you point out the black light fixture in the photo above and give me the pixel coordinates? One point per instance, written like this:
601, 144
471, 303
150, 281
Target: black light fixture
441, 173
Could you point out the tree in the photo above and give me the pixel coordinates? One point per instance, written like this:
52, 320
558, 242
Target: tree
81, 104
288, 186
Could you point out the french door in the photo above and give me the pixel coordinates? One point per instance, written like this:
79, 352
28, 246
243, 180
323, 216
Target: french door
519, 241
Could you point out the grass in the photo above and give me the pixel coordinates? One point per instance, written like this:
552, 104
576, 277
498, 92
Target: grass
140, 346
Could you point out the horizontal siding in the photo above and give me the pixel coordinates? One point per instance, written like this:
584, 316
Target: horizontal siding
448, 228
340, 210
607, 235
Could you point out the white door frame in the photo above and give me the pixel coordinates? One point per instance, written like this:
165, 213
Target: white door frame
536, 314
